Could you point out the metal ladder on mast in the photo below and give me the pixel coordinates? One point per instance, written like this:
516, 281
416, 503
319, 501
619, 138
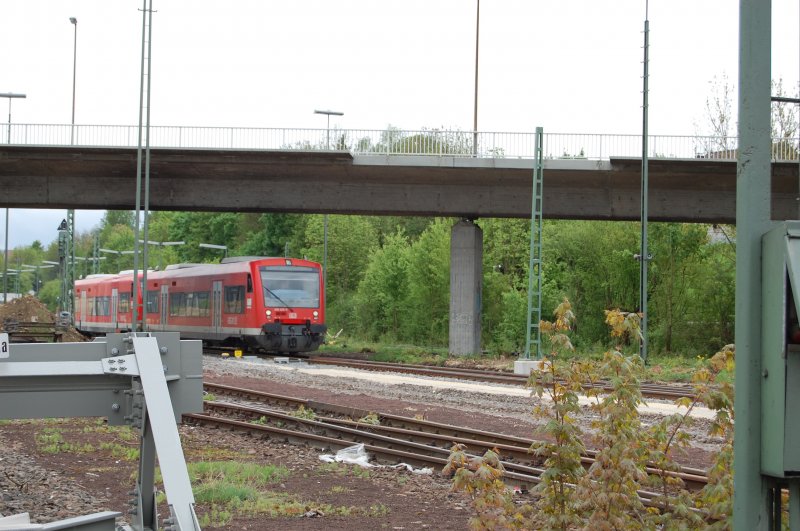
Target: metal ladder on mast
533, 339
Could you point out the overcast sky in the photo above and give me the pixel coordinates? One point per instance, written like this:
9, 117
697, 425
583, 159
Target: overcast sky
570, 66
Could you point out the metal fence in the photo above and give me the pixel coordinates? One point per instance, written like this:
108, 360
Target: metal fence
431, 142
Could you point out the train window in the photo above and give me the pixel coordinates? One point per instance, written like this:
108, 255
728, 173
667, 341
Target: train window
177, 304
100, 306
249, 283
152, 301
234, 299
189, 304
124, 302
290, 286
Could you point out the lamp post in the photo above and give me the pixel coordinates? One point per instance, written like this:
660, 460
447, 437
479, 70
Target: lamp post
74, 22
325, 217
215, 246
162, 245
112, 251
328, 129
5, 265
475, 113
36, 269
10, 96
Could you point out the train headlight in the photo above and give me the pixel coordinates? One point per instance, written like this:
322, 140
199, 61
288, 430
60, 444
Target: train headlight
269, 313
315, 313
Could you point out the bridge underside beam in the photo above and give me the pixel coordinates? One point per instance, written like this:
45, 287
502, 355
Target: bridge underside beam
699, 190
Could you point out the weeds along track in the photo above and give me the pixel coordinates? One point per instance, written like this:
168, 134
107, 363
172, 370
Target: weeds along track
650, 390
420, 442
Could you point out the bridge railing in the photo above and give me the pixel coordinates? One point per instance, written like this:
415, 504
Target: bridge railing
423, 142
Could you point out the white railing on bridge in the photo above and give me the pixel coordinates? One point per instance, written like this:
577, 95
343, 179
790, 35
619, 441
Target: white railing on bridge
432, 142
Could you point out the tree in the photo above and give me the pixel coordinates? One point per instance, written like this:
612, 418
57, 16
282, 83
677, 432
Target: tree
382, 293
428, 297
677, 251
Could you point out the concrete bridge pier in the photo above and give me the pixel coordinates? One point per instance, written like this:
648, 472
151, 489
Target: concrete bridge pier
466, 281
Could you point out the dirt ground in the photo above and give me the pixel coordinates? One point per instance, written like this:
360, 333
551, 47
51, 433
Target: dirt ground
29, 309
77, 480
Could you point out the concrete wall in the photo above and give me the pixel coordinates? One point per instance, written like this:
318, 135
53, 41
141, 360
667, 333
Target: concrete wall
466, 279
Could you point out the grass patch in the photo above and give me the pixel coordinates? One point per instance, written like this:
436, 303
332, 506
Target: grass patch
237, 473
119, 451
303, 413
227, 489
51, 441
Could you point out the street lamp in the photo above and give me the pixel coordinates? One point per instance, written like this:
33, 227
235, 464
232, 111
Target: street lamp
325, 216
112, 251
36, 269
475, 112
215, 246
162, 245
328, 130
10, 96
74, 22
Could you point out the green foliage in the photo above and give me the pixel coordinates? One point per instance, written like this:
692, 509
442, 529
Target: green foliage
717, 496
428, 297
351, 241
50, 293
558, 502
382, 292
481, 479
372, 419
304, 413
51, 441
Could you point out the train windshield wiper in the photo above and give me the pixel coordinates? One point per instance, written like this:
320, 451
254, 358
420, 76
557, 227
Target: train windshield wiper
278, 298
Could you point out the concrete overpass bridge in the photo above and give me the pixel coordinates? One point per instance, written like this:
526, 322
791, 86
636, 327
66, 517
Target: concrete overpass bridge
429, 172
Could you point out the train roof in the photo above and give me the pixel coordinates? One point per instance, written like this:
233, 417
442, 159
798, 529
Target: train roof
231, 265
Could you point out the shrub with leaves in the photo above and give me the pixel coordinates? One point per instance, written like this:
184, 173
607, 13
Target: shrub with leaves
561, 385
481, 479
717, 496
608, 491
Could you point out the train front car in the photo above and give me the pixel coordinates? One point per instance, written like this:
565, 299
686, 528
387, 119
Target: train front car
291, 301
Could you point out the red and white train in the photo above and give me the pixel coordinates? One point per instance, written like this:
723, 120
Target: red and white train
274, 304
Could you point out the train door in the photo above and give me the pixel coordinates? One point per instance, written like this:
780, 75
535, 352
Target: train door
84, 315
216, 306
114, 307
164, 300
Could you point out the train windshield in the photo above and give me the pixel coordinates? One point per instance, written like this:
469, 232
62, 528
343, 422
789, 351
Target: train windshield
290, 286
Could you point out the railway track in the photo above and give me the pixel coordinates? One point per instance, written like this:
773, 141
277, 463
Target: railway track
398, 433
668, 392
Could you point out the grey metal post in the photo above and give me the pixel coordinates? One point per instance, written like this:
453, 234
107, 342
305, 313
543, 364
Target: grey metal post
5, 265
751, 510
325, 261
475, 112
74, 22
644, 255
10, 96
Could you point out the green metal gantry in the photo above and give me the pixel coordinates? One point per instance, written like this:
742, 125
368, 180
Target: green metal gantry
533, 331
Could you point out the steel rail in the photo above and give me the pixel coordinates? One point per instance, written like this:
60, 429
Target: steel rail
387, 449
648, 390
517, 448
